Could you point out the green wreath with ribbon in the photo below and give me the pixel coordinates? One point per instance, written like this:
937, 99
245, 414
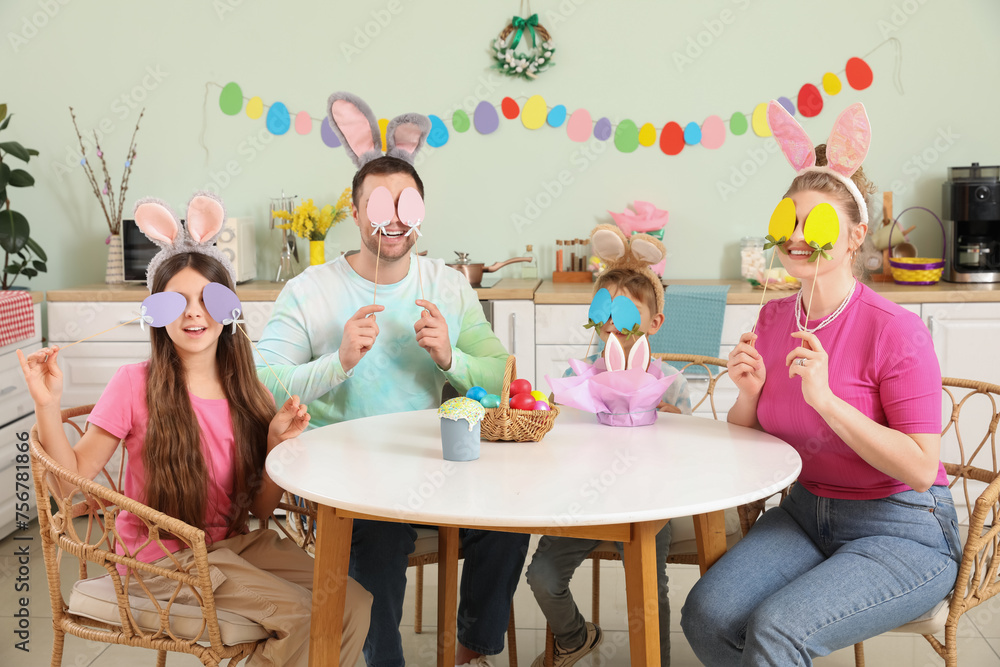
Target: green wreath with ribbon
527, 65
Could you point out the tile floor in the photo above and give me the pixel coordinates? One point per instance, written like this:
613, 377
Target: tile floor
979, 630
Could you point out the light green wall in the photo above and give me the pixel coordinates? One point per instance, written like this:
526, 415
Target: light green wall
614, 58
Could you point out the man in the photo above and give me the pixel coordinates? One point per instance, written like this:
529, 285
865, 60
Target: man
351, 350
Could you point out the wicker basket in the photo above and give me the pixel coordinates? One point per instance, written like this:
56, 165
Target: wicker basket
918, 270
504, 423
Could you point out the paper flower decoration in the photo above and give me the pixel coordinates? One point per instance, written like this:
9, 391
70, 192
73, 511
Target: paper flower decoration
645, 218
618, 398
821, 230
782, 224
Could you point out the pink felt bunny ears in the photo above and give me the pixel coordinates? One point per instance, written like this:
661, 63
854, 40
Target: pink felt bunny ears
205, 218
845, 149
357, 128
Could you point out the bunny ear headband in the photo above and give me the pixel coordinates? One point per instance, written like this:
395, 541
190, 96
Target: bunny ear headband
636, 253
205, 218
357, 128
845, 149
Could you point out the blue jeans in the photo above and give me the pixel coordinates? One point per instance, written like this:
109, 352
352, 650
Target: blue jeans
493, 562
552, 566
819, 574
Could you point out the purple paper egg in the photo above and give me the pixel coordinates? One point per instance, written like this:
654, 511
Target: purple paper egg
221, 302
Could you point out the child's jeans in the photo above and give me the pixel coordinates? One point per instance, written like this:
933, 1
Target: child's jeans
819, 574
552, 566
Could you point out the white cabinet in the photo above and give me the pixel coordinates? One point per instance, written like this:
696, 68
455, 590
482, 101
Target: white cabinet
17, 416
514, 325
965, 338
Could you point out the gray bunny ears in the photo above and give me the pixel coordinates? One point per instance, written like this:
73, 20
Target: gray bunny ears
357, 128
205, 217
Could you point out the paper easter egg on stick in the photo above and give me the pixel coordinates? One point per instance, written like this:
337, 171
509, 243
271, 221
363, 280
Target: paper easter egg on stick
782, 224
411, 210
380, 209
821, 230
222, 304
160, 309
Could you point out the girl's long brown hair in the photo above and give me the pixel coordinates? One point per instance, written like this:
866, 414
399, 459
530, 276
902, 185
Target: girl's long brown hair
176, 473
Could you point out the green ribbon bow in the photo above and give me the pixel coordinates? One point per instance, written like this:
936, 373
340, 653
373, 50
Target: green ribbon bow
521, 24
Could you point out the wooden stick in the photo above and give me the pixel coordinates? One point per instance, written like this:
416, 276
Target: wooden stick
265, 360
590, 342
809, 306
759, 307
420, 278
99, 333
377, 255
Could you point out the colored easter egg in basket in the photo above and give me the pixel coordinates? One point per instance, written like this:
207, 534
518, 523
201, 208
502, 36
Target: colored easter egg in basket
520, 386
542, 405
490, 401
476, 393
539, 396
523, 401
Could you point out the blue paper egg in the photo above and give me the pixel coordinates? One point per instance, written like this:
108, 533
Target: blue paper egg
439, 133
692, 133
278, 119
557, 116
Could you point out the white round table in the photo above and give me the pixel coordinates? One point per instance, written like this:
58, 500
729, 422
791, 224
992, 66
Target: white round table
583, 480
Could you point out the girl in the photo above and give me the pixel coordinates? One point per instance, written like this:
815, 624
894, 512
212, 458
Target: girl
868, 539
197, 425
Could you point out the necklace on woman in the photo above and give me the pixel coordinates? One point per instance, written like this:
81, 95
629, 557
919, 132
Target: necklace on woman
798, 312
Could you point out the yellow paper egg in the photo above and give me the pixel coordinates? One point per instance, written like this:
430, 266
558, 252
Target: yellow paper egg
782, 220
383, 125
759, 121
534, 112
255, 108
539, 396
647, 135
831, 84
822, 226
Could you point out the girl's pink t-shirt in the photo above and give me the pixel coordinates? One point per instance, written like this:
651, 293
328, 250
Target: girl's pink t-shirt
122, 412
881, 361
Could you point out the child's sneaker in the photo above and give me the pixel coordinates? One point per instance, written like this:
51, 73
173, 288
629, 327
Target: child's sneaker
564, 657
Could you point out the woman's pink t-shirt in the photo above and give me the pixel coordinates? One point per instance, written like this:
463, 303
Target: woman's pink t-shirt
882, 362
122, 412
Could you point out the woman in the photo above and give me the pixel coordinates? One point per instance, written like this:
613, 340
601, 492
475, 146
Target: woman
868, 539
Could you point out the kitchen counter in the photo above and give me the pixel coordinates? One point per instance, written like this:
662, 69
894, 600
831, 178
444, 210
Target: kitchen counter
262, 290
742, 292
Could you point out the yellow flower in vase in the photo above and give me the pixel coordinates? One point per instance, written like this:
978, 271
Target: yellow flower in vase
312, 223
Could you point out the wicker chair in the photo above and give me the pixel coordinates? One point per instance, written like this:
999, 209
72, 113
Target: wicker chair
682, 549
103, 608
978, 577
300, 525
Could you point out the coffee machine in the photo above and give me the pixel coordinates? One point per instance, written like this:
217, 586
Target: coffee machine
972, 209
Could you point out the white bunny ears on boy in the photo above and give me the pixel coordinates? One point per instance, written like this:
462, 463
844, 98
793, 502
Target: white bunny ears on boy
205, 217
846, 148
357, 128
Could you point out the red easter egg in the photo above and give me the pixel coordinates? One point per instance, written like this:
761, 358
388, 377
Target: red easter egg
509, 108
810, 101
672, 138
520, 386
522, 402
859, 74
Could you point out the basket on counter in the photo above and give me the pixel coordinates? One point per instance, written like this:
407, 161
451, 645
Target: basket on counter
505, 423
918, 270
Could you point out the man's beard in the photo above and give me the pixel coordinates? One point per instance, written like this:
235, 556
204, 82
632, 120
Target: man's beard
371, 242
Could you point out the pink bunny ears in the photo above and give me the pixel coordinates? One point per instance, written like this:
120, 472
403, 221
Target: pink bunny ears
205, 217
846, 148
357, 128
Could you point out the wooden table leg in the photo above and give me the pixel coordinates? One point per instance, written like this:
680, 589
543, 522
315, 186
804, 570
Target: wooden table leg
333, 553
640, 593
447, 594
710, 535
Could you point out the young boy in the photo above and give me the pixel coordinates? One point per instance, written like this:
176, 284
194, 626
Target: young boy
557, 558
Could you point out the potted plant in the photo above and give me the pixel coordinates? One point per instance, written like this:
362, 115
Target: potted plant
22, 254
